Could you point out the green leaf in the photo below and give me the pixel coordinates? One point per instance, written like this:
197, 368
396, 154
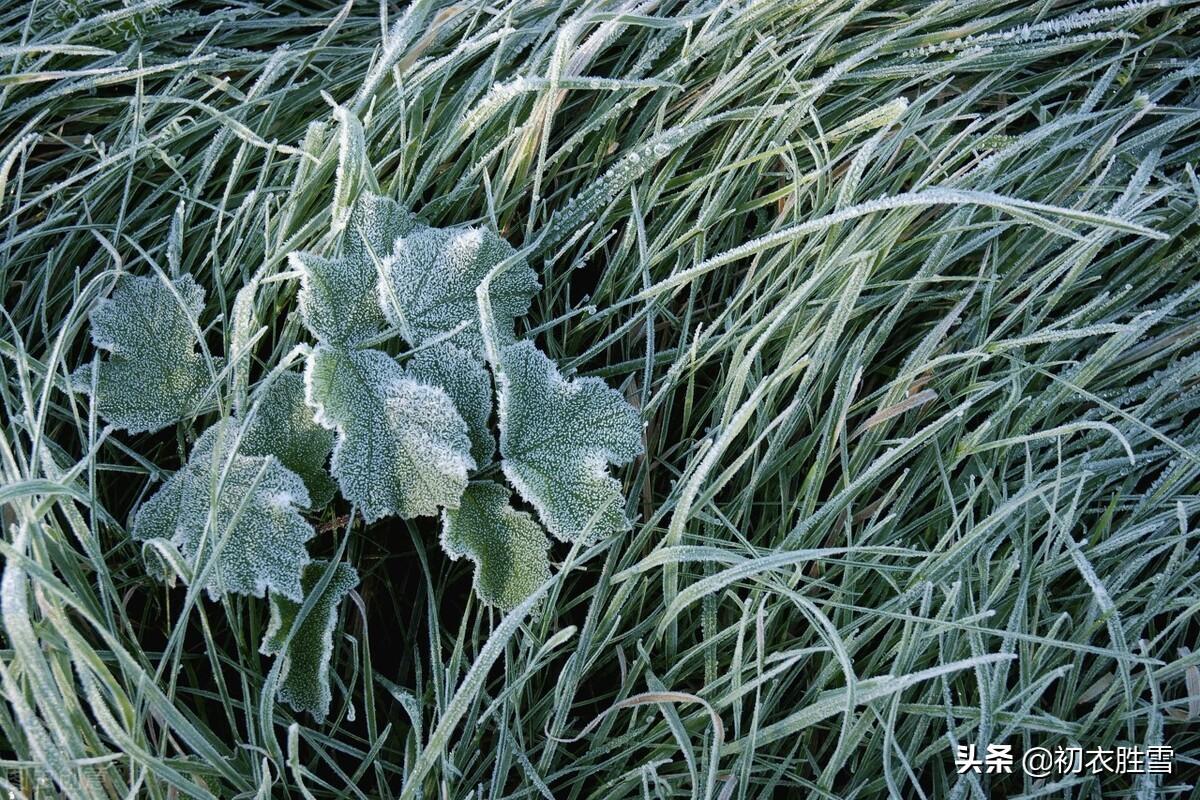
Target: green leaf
375, 224
557, 438
338, 296
255, 533
469, 385
507, 546
283, 426
153, 375
429, 285
402, 449
304, 673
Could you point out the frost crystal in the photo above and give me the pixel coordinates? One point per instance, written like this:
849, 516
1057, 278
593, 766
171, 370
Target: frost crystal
430, 281
507, 546
153, 375
467, 382
353, 168
375, 225
304, 673
402, 449
337, 295
256, 535
284, 427
557, 438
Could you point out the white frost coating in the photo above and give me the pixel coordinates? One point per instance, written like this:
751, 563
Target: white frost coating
304, 673
557, 438
353, 167
402, 448
257, 527
337, 295
469, 385
284, 427
507, 546
153, 374
375, 224
430, 281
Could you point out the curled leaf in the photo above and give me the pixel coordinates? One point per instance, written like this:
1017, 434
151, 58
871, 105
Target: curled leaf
557, 438
507, 546
283, 426
469, 385
402, 448
430, 277
304, 673
240, 511
153, 375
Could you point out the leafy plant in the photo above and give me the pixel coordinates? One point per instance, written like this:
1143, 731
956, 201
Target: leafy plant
404, 440
305, 649
896, 288
153, 375
234, 517
283, 426
558, 437
507, 546
402, 448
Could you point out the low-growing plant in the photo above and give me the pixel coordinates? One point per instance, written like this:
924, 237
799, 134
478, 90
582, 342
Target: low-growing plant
595, 399
410, 439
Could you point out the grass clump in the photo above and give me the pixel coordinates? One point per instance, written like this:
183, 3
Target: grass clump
905, 294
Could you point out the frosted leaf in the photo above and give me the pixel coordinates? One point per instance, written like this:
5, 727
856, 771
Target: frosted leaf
557, 438
375, 224
402, 449
284, 427
337, 298
469, 385
304, 673
338, 295
153, 374
507, 546
256, 524
430, 281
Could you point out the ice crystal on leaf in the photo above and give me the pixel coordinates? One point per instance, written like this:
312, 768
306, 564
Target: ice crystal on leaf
507, 546
284, 427
375, 224
304, 673
338, 295
239, 510
467, 382
557, 438
402, 448
429, 285
153, 375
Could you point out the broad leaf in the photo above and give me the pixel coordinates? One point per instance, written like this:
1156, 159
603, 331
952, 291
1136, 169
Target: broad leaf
337, 298
402, 449
469, 385
507, 546
304, 673
375, 224
153, 375
284, 427
430, 281
557, 438
256, 535
338, 295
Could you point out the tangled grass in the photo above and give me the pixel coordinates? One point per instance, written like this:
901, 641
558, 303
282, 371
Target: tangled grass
907, 293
